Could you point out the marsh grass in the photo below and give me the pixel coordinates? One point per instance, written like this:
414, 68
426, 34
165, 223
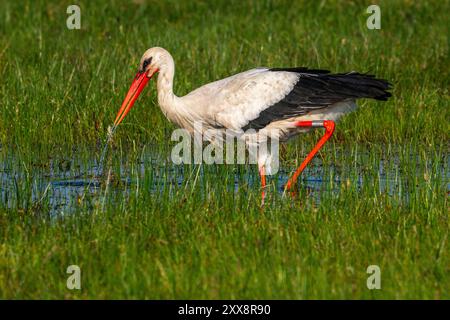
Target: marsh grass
198, 231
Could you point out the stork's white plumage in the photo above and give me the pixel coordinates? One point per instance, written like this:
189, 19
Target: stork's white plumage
284, 101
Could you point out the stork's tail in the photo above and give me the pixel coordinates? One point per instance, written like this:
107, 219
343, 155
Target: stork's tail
358, 85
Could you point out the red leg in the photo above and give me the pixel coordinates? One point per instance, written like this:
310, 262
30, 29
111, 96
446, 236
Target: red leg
262, 173
329, 129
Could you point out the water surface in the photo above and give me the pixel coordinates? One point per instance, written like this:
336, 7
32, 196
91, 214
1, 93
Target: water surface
60, 185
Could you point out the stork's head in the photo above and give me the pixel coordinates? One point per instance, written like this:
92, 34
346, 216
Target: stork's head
151, 62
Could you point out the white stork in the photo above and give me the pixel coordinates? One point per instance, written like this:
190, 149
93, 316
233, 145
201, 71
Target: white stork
285, 100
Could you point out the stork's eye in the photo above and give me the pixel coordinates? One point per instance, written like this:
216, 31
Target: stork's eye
146, 63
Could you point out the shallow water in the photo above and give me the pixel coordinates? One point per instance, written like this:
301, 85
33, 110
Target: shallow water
61, 185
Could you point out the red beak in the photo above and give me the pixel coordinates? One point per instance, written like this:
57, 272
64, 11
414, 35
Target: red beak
139, 82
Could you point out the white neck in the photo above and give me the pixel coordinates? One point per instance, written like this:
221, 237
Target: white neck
165, 81
171, 105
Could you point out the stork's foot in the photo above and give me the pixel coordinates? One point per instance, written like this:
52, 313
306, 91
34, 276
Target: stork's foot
262, 174
295, 192
329, 129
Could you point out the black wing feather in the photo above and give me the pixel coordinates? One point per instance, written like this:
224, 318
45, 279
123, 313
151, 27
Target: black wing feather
316, 89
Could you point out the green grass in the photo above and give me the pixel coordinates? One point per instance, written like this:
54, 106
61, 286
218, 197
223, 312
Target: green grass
60, 89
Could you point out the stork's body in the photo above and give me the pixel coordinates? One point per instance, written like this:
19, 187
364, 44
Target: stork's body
276, 101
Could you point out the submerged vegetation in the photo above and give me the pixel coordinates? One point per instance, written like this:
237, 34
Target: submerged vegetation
377, 194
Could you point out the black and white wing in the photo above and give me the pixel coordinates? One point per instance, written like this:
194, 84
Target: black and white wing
254, 99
